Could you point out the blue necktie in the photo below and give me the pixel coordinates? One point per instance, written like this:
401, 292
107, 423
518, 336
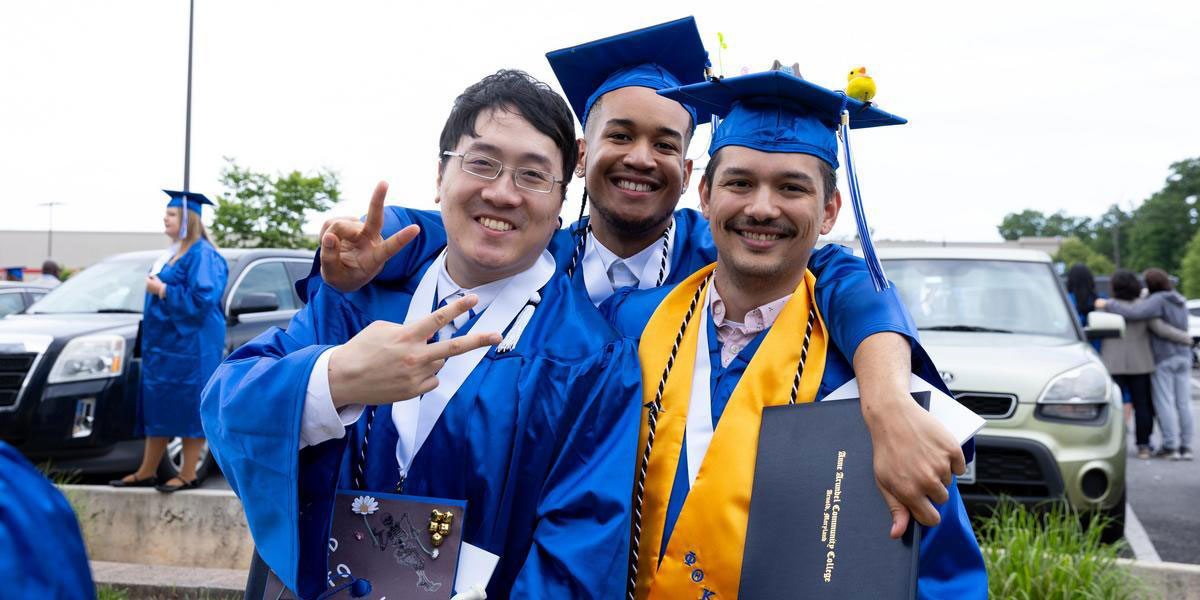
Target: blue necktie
453, 326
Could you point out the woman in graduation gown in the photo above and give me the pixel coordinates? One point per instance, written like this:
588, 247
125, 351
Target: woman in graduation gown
538, 439
183, 338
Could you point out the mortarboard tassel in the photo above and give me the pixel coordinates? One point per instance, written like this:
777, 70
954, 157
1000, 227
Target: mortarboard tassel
183, 219
874, 267
518, 327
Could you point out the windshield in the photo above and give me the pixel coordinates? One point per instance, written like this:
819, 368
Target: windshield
108, 286
983, 295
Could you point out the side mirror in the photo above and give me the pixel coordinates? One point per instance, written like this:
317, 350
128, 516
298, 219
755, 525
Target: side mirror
254, 303
1104, 325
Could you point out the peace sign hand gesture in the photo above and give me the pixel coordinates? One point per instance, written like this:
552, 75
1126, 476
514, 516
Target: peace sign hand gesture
353, 252
387, 362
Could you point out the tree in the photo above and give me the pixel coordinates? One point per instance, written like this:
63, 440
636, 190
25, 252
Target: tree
1164, 224
1033, 223
1073, 251
260, 211
1189, 271
1110, 235
1027, 223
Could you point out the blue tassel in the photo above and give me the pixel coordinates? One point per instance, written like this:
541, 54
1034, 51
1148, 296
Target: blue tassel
874, 267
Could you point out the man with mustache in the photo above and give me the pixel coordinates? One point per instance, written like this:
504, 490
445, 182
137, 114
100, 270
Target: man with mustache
754, 324
633, 158
536, 434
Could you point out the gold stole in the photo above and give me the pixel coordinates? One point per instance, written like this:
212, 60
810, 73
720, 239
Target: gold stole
704, 555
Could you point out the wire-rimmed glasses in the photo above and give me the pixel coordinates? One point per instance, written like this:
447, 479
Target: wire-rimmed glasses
484, 166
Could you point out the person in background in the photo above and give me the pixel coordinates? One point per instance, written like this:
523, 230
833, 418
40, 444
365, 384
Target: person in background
1172, 392
1130, 361
41, 549
1081, 288
183, 337
50, 273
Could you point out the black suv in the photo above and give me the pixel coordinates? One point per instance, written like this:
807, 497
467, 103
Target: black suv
70, 370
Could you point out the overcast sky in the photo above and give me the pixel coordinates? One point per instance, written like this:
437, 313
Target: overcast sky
1011, 105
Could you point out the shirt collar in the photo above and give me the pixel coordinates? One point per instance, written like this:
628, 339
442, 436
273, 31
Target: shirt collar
636, 263
447, 287
757, 319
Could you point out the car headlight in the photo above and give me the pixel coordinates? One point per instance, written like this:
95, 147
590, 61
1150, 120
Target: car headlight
1078, 395
89, 357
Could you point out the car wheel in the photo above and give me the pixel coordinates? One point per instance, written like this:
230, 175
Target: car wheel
1115, 516
172, 461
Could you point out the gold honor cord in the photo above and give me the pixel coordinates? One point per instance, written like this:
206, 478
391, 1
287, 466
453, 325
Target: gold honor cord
655, 407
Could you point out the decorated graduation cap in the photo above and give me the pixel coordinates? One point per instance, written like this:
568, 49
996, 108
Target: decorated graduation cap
658, 57
777, 111
192, 201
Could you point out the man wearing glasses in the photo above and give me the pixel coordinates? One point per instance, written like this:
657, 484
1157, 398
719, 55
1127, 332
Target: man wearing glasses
524, 394
635, 168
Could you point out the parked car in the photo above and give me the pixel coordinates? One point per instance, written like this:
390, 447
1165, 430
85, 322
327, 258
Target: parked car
1001, 330
16, 296
70, 366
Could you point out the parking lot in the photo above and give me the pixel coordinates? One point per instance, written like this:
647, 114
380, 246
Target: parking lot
1163, 495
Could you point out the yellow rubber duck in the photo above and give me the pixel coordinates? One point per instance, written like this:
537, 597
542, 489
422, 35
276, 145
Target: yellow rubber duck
859, 85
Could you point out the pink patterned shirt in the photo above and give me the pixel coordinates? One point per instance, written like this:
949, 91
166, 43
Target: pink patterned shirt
735, 336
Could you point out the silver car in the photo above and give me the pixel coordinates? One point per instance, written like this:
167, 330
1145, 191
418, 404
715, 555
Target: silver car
1006, 338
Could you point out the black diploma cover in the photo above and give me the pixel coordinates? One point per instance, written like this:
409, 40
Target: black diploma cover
818, 524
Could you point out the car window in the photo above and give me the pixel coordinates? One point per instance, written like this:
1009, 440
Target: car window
35, 296
268, 277
11, 302
1012, 296
1194, 311
107, 286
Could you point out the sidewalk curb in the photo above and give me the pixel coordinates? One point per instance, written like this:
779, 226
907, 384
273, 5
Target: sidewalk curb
1177, 581
164, 582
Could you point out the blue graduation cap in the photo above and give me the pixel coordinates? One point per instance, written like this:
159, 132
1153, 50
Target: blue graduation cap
192, 201
776, 111
658, 57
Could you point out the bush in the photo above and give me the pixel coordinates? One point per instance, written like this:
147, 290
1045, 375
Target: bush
1051, 555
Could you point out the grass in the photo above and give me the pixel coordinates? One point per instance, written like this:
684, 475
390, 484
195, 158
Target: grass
108, 592
1051, 555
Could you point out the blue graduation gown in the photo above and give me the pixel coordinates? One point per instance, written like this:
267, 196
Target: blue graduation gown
951, 565
539, 441
41, 549
183, 338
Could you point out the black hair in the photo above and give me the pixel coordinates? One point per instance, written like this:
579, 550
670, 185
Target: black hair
828, 175
1125, 285
517, 92
1082, 285
1157, 280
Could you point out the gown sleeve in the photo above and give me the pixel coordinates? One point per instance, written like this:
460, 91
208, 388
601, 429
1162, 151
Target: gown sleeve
41, 549
951, 565
251, 410
852, 309
581, 538
193, 298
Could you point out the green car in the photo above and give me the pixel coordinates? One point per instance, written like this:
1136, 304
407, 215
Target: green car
1008, 343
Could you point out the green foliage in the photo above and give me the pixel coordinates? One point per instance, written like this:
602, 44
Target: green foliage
260, 211
1164, 224
1032, 223
1032, 556
1073, 251
1189, 271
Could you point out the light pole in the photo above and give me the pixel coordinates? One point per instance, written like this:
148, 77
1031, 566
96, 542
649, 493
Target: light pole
50, 228
187, 136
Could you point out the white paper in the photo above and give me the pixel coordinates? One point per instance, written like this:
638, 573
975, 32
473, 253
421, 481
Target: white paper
475, 566
959, 420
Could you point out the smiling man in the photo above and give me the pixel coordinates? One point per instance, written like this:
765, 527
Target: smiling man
633, 159
747, 332
536, 434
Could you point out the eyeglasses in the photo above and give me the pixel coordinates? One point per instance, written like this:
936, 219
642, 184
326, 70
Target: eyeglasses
490, 168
